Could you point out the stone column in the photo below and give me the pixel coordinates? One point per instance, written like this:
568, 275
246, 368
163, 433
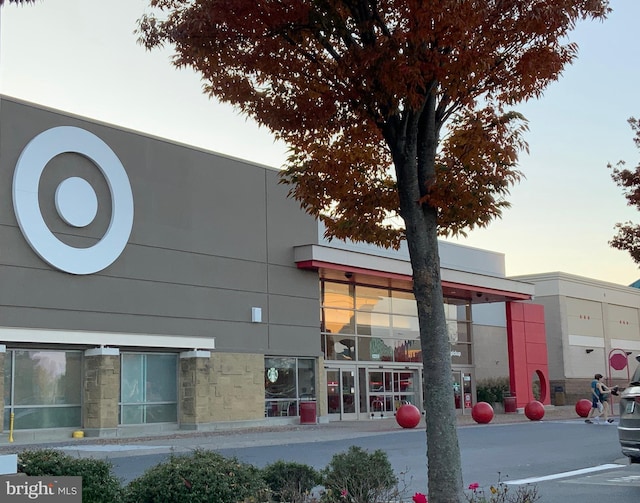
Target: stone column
194, 389
101, 392
237, 387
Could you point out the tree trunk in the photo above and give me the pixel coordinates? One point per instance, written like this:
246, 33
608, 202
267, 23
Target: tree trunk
412, 170
443, 452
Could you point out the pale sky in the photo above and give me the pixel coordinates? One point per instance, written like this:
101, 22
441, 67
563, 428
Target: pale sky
81, 56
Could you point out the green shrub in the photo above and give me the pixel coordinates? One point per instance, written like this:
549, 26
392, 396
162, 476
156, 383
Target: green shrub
99, 485
492, 390
290, 482
359, 477
200, 477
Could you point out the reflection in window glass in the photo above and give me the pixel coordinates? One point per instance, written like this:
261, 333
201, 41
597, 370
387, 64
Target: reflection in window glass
464, 331
460, 312
373, 299
341, 347
376, 324
46, 377
338, 321
306, 378
461, 354
404, 303
408, 351
338, 295
405, 327
384, 322
148, 389
458, 331
380, 349
47, 393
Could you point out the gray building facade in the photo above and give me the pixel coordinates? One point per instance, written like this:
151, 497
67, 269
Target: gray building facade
147, 285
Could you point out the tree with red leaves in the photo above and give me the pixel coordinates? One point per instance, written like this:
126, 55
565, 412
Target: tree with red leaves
394, 111
628, 236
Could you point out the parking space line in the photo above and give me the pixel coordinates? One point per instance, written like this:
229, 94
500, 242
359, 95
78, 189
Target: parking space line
533, 480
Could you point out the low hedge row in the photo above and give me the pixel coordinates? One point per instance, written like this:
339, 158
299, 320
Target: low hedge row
354, 476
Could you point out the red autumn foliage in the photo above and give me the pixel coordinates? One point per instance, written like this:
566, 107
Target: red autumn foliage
396, 112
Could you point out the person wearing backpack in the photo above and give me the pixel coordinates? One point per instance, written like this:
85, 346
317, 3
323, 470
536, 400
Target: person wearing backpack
599, 401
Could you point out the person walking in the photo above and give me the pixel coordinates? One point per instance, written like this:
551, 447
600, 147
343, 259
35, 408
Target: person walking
605, 394
600, 394
596, 404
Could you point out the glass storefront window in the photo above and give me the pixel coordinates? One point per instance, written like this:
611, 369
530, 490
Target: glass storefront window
464, 331
375, 349
384, 323
405, 327
375, 300
47, 393
286, 382
338, 295
461, 354
149, 388
408, 351
280, 377
338, 321
340, 347
374, 324
404, 303
306, 378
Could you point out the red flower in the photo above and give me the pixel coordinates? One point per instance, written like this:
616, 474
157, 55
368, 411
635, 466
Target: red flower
344, 493
473, 486
419, 498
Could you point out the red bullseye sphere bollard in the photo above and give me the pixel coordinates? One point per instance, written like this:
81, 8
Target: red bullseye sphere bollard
482, 413
534, 410
408, 416
583, 407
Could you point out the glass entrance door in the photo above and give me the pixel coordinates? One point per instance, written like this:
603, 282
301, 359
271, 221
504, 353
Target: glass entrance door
462, 391
389, 389
341, 394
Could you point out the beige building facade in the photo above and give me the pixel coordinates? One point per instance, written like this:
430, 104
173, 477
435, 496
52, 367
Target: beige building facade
592, 327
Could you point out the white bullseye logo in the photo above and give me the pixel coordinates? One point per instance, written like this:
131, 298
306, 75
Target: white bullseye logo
76, 201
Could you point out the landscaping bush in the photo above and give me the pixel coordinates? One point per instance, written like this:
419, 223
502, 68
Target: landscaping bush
492, 390
290, 482
200, 477
99, 485
359, 477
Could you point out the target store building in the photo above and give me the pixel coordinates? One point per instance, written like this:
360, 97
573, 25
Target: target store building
150, 286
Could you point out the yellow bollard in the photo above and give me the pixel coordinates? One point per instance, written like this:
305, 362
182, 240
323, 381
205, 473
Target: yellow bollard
11, 417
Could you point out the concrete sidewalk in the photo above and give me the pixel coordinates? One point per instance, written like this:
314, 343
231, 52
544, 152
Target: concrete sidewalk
180, 441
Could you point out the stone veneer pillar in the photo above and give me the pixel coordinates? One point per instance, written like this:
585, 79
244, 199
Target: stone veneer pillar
238, 387
3, 353
101, 392
194, 389
220, 387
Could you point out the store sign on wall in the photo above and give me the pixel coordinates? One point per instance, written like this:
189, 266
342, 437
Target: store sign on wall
75, 200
